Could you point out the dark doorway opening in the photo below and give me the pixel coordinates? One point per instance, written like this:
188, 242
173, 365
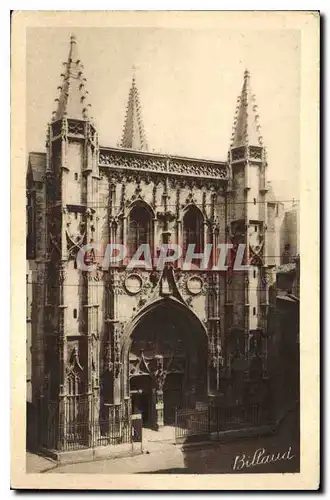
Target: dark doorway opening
173, 396
141, 398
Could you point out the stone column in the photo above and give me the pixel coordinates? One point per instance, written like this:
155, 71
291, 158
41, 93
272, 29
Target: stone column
117, 363
160, 376
154, 239
159, 408
179, 240
124, 234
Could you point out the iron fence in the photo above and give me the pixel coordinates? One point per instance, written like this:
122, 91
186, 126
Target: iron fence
88, 435
64, 427
234, 417
197, 424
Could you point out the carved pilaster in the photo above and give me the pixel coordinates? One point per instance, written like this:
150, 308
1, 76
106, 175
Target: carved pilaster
112, 358
62, 326
124, 231
154, 238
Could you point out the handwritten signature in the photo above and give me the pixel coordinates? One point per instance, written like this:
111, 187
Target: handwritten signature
260, 457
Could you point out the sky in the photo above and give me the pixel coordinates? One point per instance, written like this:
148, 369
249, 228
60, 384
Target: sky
188, 80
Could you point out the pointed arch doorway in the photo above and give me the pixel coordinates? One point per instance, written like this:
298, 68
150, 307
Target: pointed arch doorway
166, 359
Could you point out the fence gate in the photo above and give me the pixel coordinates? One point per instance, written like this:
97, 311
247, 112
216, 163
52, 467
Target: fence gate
191, 424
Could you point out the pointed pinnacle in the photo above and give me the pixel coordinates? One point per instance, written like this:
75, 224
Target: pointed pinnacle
246, 120
73, 93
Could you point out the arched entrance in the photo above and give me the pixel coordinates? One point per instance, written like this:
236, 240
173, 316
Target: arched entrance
166, 359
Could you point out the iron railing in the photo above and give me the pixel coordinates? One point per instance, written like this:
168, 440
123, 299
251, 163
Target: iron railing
65, 426
88, 435
192, 423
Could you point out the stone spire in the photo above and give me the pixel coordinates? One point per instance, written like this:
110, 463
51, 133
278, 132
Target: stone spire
246, 129
72, 101
133, 134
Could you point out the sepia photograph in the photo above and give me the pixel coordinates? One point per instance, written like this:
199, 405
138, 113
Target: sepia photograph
163, 247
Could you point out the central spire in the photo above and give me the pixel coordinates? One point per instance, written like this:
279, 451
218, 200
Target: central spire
73, 98
246, 130
133, 134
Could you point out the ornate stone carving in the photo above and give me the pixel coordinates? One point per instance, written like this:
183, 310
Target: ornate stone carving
75, 242
166, 216
155, 277
256, 255
122, 198
116, 281
56, 128
139, 366
190, 199
117, 363
177, 203
55, 241
160, 379
125, 160
266, 277
76, 127
204, 203
74, 362
138, 282
133, 284
154, 194
112, 359
238, 153
108, 356
136, 195
189, 301
191, 284
158, 164
200, 169
62, 272
195, 285
255, 153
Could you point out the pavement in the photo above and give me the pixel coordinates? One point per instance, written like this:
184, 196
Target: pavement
37, 463
161, 455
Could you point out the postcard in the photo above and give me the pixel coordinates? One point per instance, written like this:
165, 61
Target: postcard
165, 199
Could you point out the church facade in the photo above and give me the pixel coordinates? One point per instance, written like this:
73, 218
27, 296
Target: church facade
119, 341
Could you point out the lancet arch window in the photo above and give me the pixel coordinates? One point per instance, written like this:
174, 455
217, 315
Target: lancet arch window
139, 227
193, 231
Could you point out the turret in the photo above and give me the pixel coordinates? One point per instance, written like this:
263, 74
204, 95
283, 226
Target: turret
72, 204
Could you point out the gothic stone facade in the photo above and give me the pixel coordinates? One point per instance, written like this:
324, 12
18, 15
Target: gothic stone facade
144, 340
